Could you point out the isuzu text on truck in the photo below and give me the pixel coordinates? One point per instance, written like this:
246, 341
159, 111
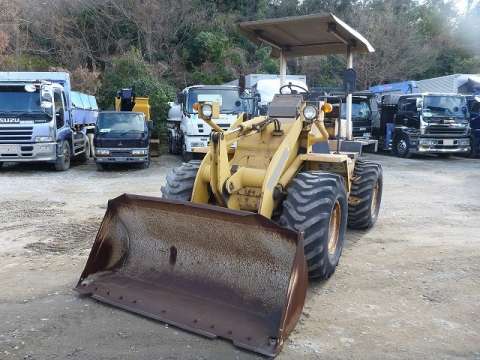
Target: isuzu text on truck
41, 119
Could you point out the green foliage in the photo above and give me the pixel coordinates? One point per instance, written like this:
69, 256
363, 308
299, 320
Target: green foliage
25, 62
206, 46
131, 70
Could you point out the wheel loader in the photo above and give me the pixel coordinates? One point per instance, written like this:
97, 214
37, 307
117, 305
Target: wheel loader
228, 249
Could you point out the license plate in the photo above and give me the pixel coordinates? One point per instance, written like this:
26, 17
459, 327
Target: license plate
8, 149
448, 142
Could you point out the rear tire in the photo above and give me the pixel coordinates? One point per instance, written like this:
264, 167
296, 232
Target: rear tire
316, 204
366, 193
63, 163
180, 181
83, 157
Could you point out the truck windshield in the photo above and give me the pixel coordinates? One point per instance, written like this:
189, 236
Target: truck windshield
360, 110
227, 98
16, 99
444, 106
120, 122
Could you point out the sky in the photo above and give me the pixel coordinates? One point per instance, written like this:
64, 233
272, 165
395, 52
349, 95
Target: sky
463, 4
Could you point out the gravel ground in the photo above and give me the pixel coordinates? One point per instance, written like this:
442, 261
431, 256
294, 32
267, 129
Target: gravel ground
409, 288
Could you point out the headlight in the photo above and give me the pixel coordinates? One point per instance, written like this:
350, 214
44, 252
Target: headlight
464, 141
310, 112
207, 110
139, 152
43, 139
102, 152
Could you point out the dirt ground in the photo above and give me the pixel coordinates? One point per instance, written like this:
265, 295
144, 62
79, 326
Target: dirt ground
409, 288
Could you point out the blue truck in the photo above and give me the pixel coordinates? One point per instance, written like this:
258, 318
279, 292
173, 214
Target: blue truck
43, 120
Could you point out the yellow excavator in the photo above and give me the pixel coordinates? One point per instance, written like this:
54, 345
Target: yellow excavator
228, 249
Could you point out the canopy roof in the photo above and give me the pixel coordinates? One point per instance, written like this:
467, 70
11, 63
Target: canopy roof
306, 35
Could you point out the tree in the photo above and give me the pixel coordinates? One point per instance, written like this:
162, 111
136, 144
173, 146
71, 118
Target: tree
131, 70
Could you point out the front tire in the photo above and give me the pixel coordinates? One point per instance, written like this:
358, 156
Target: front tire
180, 181
146, 164
365, 195
474, 147
401, 146
316, 204
63, 162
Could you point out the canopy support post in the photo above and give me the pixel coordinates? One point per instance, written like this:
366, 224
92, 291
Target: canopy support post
349, 96
283, 68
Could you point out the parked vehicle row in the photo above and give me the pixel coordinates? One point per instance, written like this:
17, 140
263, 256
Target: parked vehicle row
42, 119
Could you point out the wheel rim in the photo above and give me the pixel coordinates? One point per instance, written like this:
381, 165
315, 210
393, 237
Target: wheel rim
402, 146
374, 203
334, 228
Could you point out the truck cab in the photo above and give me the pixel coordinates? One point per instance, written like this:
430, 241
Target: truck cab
186, 131
425, 123
37, 122
122, 138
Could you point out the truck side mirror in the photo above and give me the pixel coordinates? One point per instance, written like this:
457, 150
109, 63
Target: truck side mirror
180, 98
150, 125
419, 103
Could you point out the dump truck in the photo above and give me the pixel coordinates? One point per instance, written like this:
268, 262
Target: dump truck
43, 120
426, 123
228, 249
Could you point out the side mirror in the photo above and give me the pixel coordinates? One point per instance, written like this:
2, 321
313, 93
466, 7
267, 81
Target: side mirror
349, 81
150, 125
180, 98
419, 103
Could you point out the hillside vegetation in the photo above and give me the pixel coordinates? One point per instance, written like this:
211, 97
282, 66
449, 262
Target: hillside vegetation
160, 46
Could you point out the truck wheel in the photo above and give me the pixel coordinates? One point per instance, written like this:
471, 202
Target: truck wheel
146, 164
474, 147
180, 181
83, 157
401, 146
186, 156
170, 143
366, 195
316, 204
63, 163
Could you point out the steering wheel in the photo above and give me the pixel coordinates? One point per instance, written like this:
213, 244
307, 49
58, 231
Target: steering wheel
291, 86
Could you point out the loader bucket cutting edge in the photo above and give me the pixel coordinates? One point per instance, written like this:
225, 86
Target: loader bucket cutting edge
210, 270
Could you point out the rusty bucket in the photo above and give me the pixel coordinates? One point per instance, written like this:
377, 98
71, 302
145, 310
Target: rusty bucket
213, 271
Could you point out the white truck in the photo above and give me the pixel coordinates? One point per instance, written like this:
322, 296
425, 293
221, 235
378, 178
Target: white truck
186, 130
